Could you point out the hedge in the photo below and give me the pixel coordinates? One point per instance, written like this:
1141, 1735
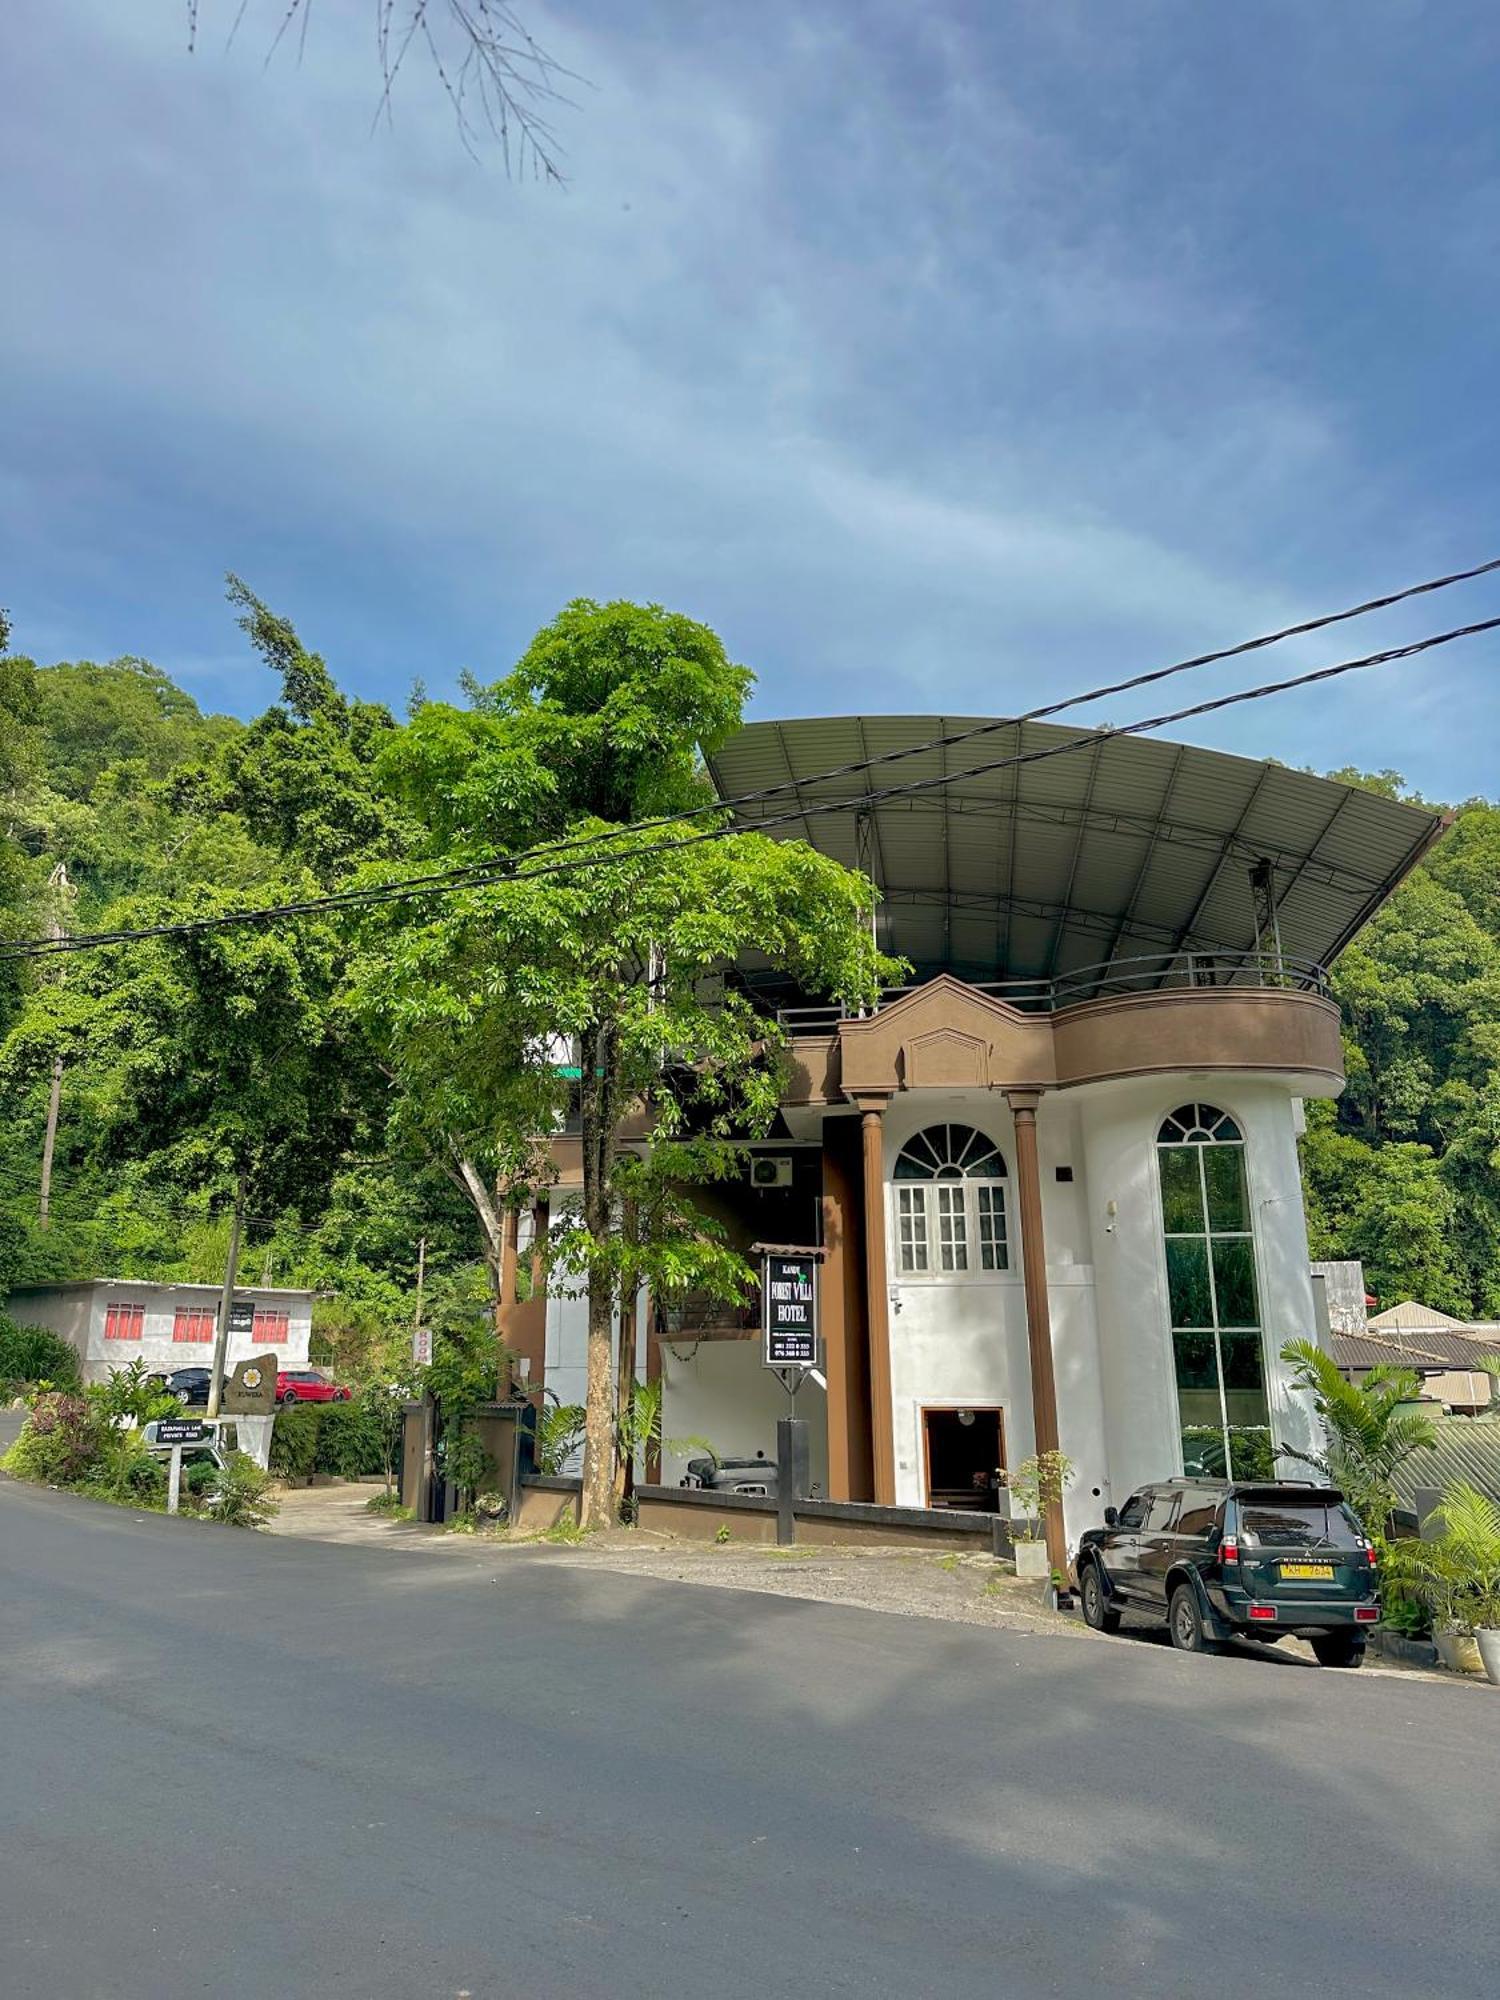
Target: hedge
34, 1354
335, 1438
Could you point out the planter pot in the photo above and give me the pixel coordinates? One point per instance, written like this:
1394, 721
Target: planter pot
1488, 1642
1459, 1652
1031, 1559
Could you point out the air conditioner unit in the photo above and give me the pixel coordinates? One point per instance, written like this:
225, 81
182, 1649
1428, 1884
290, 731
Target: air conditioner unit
771, 1170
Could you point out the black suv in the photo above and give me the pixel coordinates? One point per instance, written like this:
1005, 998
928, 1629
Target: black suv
188, 1385
1219, 1558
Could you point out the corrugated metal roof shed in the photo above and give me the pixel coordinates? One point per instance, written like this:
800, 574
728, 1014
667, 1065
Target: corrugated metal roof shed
1114, 849
1467, 1448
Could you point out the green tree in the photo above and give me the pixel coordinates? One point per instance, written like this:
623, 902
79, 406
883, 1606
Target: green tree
485, 1002
1386, 1204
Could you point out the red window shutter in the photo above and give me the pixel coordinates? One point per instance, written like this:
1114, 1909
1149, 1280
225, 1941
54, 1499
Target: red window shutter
192, 1323
271, 1325
124, 1322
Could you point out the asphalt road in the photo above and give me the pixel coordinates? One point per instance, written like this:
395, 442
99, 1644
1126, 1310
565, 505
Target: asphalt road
238, 1765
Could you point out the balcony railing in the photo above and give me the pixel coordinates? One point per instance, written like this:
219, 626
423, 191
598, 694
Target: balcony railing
696, 1316
1155, 973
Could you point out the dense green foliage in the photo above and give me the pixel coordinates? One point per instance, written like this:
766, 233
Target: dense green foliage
32, 1354
186, 1063
341, 1439
1404, 1171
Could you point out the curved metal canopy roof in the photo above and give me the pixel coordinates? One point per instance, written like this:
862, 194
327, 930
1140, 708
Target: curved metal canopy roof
1127, 847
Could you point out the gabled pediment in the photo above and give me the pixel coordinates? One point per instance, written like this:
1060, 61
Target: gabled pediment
945, 1036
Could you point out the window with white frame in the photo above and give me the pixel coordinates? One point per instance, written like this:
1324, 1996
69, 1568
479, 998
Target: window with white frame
950, 1204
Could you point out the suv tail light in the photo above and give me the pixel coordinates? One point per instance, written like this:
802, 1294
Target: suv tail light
1366, 1614
1263, 1611
1373, 1557
1229, 1550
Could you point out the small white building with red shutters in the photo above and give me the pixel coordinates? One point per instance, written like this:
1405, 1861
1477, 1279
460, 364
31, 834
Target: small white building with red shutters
114, 1321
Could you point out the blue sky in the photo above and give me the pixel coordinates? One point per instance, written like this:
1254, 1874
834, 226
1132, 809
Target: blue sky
942, 356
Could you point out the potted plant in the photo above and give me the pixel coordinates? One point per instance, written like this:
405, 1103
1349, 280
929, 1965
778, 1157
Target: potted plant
1036, 1484
1457, 1575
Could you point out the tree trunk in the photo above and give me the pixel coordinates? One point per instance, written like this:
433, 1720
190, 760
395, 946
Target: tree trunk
597, 1118
492, 1218
625, 1373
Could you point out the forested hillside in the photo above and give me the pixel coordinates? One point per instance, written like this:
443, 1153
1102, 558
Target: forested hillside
122, 805
1405, 1170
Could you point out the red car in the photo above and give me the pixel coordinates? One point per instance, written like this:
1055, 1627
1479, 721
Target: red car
306, 1385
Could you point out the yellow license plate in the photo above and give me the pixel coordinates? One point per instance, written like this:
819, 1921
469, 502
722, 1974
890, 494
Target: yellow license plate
1308, 1572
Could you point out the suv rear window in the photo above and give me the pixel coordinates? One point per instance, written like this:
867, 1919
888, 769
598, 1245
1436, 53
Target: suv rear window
1285, 1524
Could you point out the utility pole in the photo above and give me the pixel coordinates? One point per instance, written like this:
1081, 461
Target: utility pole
416, 1318
226, 1299
58, 882
54, 1104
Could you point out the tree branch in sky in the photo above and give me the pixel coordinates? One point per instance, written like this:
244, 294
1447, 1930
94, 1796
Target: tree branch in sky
498, 79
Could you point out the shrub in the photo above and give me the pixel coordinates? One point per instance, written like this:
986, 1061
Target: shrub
466, 1462
35, 1354
126, 1472
130, 1393
240, 1493
198, 1481
348, 1441
60, 1441
294, 1441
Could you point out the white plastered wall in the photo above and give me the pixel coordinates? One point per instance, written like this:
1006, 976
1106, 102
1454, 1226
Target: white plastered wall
961, 1342
1119, 1123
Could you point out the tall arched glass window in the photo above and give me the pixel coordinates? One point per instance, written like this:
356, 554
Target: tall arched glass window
1214, 1301
950, 1203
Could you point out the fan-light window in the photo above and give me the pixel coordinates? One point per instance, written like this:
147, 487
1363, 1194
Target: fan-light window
950, 1203
1213, 1295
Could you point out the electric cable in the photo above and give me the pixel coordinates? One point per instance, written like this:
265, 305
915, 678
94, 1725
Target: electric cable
587, 849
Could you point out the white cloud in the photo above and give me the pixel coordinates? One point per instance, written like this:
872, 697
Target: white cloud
843, 337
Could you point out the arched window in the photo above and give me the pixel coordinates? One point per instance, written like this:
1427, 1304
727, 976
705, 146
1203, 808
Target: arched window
1212, 1295
950, 1202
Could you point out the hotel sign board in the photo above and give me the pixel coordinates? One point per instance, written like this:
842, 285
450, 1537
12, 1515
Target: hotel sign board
789, 1294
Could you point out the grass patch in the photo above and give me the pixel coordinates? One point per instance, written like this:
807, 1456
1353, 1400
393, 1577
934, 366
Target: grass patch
565, 1533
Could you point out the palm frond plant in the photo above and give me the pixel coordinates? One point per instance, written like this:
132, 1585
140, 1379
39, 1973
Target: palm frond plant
1368, 1431
559, 1433
638, 1430
1457, 1572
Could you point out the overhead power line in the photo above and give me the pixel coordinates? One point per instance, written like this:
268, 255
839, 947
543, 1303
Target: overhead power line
593, 850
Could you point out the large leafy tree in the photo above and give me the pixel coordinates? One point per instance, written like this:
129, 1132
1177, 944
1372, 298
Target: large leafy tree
592, 954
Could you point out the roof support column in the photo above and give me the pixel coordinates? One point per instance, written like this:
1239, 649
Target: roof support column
877, 1299
1023, 1105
